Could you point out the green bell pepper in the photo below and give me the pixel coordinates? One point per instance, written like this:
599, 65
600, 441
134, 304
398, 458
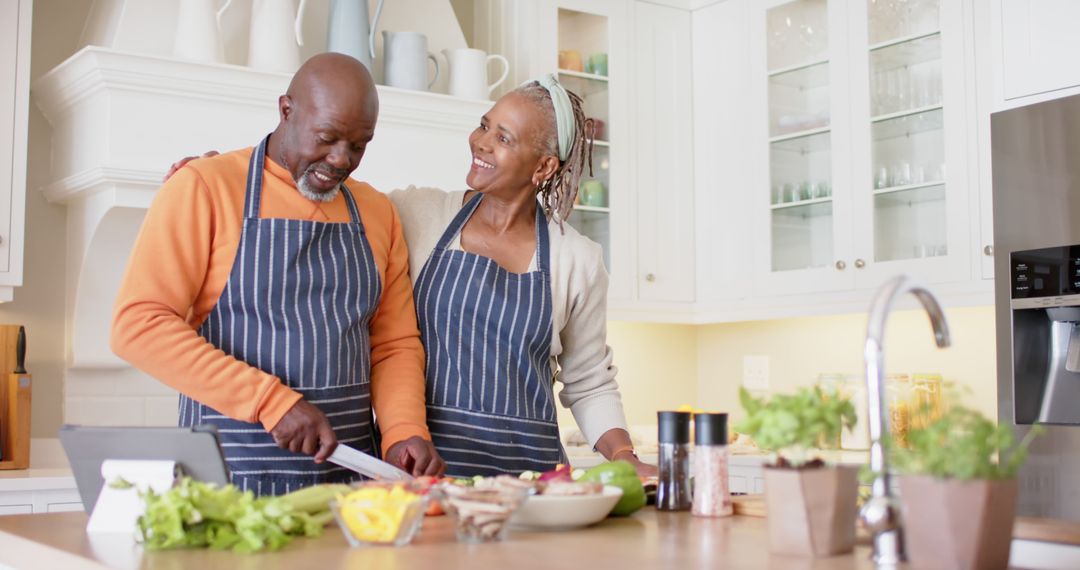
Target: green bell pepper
622, 475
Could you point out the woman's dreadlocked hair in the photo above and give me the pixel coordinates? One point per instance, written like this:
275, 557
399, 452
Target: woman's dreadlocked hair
557, 193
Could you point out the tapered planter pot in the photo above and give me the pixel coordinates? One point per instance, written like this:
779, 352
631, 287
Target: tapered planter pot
811, 512
958, 524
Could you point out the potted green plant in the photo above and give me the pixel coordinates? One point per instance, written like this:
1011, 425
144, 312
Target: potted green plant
958, 490
810, 506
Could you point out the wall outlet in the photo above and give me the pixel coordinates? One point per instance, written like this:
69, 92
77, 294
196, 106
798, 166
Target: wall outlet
755, 376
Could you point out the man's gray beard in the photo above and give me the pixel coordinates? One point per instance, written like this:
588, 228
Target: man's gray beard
305, 190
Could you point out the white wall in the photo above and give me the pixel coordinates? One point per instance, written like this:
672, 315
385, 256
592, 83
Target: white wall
658, 369
800, 349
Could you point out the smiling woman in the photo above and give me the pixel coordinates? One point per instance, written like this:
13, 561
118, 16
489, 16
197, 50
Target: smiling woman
510, 299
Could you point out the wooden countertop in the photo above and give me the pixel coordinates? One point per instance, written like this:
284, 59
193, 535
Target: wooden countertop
648, 539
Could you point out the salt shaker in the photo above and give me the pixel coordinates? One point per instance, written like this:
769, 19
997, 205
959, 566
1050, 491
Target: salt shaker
673, 486
711, 496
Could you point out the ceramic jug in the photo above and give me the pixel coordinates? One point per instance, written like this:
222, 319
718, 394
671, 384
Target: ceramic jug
198, 31
349, 32
275, 40
468, 72
405, 57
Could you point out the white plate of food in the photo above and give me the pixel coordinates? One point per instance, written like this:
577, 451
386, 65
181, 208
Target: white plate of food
565, 506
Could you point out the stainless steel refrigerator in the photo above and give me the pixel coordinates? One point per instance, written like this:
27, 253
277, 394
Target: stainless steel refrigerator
1036, 173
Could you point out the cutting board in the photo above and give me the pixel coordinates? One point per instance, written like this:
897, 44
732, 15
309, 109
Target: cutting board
749, 505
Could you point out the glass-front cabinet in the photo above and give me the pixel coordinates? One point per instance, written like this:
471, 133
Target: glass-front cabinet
866, 149
583, 68
910, 140
584, 42
802, 75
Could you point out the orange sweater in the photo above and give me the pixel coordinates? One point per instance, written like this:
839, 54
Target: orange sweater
178, 269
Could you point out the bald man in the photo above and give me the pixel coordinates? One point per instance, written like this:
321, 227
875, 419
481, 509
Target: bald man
272, 291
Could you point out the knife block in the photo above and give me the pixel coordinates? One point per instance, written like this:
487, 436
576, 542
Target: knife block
14, 404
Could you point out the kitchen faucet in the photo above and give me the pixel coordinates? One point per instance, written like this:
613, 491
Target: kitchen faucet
880, 513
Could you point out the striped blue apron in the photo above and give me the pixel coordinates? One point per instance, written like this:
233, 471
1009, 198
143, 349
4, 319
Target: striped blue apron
297, 305
487, 334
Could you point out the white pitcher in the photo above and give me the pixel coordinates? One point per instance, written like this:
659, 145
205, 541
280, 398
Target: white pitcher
198, 31
349, 31
468, 72
275, 40
405, 57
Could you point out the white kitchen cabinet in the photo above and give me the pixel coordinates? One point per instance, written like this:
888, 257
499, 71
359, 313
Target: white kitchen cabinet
981, 76
38, 490
664, 154
1038, 46
15, 22
17, 509
39, 501
860, 145
721, 160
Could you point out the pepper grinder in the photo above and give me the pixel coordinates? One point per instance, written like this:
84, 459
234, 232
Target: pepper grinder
673, 487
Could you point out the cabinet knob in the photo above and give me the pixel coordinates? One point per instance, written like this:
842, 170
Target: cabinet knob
650, 277
840, 265
859, 264
988, 250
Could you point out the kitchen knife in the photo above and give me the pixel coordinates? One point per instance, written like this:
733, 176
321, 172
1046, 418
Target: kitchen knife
364, 464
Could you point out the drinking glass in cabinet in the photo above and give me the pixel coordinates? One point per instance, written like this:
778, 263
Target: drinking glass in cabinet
908, 149
905, 76
910, 223
891, 19
797, 33
822, 189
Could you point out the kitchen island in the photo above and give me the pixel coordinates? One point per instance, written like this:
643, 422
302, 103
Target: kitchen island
648, 539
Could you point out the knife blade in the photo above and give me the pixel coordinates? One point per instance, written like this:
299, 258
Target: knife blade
364, 464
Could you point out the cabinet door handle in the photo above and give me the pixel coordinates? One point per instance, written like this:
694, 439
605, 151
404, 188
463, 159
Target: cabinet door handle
988, 250
859, 264
650, 277
840, 265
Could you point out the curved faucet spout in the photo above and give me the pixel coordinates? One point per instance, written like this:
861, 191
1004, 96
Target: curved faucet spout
880, 513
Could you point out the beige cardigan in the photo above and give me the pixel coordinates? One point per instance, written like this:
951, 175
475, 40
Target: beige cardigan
580, 357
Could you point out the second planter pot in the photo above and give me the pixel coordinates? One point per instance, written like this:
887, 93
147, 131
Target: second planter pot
958, 525
811, 512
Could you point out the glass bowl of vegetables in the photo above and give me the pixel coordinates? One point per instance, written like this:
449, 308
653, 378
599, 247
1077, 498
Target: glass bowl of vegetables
481, 508
380, 513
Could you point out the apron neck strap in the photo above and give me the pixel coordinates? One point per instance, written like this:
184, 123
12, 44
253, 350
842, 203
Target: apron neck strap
253, 194
543, 247
458, 222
